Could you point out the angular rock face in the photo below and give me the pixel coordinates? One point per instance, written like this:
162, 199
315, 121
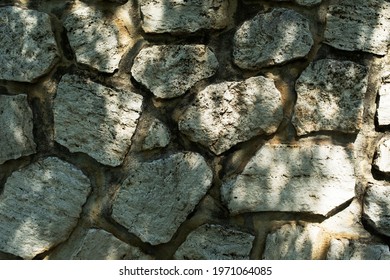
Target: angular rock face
359, 25
330, 97
183, 16
16, 126
94, 119
306, 178
40, 206
214, 242
228, 113
272, 38
382, 160
157, 197
28, 48
158, 136
170, 70
98, 40
344, 249
384, 105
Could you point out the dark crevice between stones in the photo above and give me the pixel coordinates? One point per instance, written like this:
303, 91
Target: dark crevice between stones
8, 256
337, 137
339, 208
371, 229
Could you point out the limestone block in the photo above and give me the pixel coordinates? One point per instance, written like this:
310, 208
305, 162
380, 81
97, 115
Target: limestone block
16, 126
344, 249
382, 160
158, 136
376, 207
28, 48
330, 97
94, 119
384, 105
272, 38
359, 25
183, 16
40, 206
170, 70
157, 196
98, 40
292, 178
228, 113
215, 242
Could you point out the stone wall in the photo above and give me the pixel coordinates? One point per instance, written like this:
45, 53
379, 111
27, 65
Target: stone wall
189, 129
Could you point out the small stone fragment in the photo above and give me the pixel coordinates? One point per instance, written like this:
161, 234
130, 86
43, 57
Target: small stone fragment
94, 119
158, 136
228, 113
330, 97
28, 48
384, 105
158, 196
344, 249
308, 2
40, 206
382, 160
170, 70
272, 38
215, 242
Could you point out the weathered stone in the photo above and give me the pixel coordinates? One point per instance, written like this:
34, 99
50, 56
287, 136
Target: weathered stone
272, 38
40, 206
292, 242
330, 97
170, 70
308, 2
376, 207
97, 39
28, 48
158, 196
344, 249
183, 16
158, 136
94, 119
293, 178
228, 113
16, 126
382, 160
359, 25
384, 105
215, 242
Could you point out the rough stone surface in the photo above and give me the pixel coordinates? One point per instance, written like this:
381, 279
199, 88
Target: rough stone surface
376, 207
330, 97
302, 178
158, 136
16, 126
95, 119
228, 113
359, 25
344, 249
382, 160
97, 39
272, 38
170, 70
157, 196
40, 206
28, 48
384, 105
215, 242
308, 2
183, 16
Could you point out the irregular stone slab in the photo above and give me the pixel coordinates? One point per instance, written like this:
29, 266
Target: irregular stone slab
344, 249
382, 160
28, 48
330, 97
94, 119
97, 39
228, 113
376, 207
16, 126
272, 38
158, 136
183, 16
215, 242
158, 196
170, 70
384, 105
40, 206
293, 178
359, 25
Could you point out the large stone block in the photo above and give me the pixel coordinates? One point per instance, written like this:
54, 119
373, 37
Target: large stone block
384, 105
344, 249
382, 159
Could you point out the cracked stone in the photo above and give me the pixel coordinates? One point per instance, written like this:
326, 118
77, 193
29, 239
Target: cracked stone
345, 249
384, 105
158, 136
382, 159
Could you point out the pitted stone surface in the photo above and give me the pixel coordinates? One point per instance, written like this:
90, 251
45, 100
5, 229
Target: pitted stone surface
215, 242
170, 70
344, 249
382, 160
272, 38
330, 97
359, 25
40, 206
302, 178
28, 48
98, 40
16, 126
158, 136
94, 119
157, 196
384, 105
183, 16
228, 113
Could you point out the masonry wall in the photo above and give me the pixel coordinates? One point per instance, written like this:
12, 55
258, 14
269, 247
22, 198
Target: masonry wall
188, 129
